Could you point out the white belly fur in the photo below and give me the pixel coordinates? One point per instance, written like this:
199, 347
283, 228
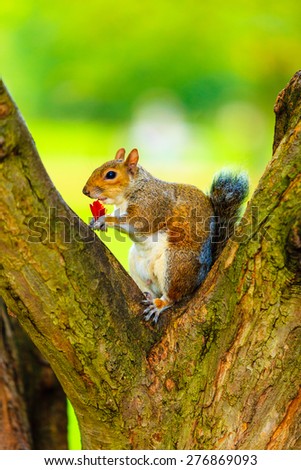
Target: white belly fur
147, 261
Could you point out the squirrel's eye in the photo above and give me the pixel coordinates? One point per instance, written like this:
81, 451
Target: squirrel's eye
111, 175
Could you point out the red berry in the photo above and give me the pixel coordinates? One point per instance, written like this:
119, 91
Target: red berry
97, 209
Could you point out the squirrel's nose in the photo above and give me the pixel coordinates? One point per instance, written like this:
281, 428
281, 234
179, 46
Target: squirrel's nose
86, 191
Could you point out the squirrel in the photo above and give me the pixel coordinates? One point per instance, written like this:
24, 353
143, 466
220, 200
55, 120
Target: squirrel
177, 230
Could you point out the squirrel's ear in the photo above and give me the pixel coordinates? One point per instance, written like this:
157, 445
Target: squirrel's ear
120, 154
132, 160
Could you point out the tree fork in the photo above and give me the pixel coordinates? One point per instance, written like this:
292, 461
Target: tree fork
222, 371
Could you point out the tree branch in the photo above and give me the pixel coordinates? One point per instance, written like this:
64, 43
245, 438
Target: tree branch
287, 109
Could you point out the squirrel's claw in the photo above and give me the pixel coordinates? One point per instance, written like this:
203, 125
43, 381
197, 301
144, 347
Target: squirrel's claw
151, 311
154, 307
148, 300
98, 224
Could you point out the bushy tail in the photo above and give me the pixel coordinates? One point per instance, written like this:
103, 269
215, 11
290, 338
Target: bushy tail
228, 192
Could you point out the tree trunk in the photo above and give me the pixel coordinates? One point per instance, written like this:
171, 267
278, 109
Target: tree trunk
221, 370
14, 425
33, 404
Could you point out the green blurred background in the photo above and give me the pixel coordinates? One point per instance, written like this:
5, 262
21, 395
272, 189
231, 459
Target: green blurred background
191, 83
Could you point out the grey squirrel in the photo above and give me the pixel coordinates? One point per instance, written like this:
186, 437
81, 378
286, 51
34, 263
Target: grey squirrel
176, 229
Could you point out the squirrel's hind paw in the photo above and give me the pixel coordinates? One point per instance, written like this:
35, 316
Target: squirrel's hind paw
152, 311
154, 308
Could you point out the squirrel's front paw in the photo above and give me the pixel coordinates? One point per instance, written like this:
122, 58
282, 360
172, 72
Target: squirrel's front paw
154, 307
98, 224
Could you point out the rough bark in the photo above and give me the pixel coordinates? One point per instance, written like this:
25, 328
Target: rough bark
222, 370
45, 399
33, 405
14, 426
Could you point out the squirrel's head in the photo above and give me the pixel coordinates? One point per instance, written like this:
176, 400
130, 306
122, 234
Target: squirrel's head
109, 182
